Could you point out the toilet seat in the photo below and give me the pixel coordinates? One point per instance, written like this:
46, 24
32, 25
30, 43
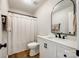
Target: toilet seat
34, 48
33, 45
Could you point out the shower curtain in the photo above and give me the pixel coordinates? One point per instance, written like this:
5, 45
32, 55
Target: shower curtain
22, 30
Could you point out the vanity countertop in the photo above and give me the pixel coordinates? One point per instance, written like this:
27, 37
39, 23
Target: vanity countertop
66, 42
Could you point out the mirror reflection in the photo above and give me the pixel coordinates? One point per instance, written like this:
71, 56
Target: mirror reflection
63, 18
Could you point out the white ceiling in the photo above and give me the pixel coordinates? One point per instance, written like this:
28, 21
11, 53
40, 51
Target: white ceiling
25, 5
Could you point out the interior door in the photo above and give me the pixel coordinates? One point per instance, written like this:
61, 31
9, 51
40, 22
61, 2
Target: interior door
0, 4
78, 24
3, 41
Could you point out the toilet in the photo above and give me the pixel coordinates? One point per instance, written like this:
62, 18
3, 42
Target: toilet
34, 48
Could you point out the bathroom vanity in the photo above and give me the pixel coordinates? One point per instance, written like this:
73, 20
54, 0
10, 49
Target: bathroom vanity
52, 47
63, 41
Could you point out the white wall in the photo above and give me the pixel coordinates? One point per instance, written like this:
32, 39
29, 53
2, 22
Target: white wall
22, 12
4, 7
44, 17
0, 4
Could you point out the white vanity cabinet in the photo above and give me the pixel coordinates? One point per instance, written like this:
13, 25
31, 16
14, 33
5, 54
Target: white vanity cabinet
51, 49
47, 48
65, 52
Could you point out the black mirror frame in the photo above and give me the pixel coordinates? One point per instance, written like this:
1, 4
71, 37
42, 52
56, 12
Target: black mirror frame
74, 7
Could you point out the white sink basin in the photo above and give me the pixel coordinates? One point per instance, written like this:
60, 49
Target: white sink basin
51, 37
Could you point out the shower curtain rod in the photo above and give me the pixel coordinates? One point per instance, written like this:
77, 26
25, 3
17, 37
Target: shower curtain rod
22, 14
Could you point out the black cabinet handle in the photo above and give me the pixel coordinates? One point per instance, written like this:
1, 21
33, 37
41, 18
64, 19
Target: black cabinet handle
4, 45
77, 53
65, 55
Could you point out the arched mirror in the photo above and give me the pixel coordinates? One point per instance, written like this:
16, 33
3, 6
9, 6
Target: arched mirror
63, 18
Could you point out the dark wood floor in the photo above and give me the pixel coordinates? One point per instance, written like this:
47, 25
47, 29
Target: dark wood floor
23, 54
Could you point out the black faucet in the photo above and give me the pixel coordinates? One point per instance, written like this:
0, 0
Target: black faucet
64, 36
59, 35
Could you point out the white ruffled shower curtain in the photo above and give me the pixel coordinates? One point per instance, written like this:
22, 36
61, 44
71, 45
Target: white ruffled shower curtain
21, 31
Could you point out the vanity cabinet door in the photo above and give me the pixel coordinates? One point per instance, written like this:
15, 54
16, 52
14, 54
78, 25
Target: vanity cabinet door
47, 48
65, 52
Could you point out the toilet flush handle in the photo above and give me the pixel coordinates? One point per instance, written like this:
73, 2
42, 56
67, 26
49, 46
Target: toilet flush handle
45, 45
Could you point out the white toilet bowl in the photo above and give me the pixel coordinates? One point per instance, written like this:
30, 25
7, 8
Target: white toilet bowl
34, 48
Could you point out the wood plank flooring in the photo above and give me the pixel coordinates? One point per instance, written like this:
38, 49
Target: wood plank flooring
23, 54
